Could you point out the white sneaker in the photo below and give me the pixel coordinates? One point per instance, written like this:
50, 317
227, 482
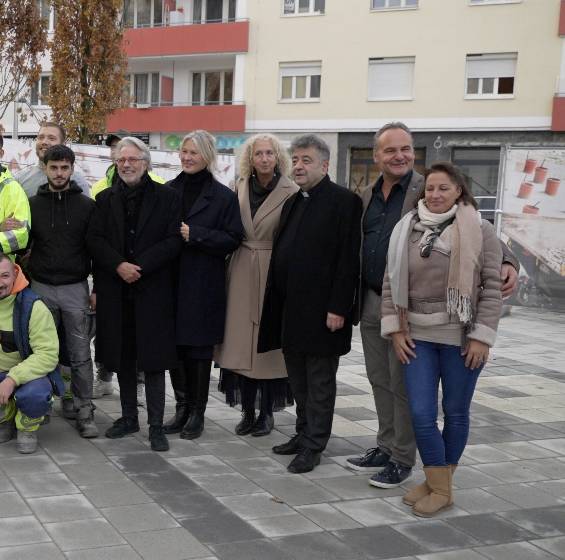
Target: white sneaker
101, 388
26, 442
141, 395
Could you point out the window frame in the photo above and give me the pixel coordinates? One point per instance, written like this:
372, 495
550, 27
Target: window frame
40, 93
134, 24
485, 96
150, 82
310, 13
388, 8
375, 60
314, 65
202, 101
492, 2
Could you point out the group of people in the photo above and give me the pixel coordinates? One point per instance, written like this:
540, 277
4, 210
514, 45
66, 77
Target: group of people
266, 282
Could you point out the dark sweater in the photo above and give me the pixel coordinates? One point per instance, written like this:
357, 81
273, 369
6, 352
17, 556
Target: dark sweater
59, 222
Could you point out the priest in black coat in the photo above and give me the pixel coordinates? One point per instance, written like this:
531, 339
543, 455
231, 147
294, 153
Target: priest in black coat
311, 290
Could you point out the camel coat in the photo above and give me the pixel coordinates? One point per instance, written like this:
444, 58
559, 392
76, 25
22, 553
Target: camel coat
247, 276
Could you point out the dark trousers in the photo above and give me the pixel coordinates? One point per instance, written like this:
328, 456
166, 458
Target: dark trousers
127, 376
313, 383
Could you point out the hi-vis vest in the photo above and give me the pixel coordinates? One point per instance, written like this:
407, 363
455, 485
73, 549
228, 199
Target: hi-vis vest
14, 204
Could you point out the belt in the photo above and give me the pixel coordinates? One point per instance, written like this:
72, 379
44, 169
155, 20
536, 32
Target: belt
254, 285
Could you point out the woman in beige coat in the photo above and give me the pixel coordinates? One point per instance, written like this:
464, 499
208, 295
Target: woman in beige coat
246, 377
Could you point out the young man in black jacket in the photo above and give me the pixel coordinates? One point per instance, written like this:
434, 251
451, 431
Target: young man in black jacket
59, 266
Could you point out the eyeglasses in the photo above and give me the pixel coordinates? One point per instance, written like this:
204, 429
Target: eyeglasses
129, 160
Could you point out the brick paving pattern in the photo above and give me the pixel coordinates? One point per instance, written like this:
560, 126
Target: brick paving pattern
228, 497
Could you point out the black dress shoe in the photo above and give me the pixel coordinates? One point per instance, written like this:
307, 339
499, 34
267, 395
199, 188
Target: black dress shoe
246, 424
176, 423
194, 427
158, 439
304, 462
264, 425
122, 427
291, 447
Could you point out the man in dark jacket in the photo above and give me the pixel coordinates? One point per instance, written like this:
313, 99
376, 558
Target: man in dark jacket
310, 295
134, 239
59, 266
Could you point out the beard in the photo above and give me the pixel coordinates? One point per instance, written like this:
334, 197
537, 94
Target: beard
55, 187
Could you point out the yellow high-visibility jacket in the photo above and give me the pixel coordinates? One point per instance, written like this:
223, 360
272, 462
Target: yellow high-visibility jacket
106, 181
13, 203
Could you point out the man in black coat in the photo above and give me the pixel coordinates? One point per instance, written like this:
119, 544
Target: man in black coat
134, 239
310, 295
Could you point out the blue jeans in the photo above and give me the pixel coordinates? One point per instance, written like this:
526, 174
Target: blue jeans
435, 362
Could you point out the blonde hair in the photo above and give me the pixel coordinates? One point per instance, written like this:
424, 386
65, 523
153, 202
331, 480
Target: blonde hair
206, 144
246, 161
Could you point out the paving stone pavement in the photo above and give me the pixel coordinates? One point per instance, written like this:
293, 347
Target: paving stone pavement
228, 497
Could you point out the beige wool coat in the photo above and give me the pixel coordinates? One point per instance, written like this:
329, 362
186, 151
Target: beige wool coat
247, 277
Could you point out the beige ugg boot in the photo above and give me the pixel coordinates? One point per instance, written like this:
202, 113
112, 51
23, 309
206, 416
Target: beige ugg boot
420, 491
439, 480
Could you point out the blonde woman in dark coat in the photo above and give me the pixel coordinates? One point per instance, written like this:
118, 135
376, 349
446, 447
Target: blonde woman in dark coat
247, 378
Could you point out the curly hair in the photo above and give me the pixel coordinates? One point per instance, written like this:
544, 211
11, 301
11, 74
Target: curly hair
246, 159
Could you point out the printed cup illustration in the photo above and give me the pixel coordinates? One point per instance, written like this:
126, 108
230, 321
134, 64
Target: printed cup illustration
530, 166
552, 186
530, 209
540, 174
525, 190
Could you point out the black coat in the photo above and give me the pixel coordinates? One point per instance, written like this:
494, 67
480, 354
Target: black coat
323, 274
58, 231
215, 232
157, 245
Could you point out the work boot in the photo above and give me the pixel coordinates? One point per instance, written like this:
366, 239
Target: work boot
101, 388
158, 439
7, 431
68, 410
122, 427
440, 498
182, 410
26, 442
264, 425
420, 491
85, 423
246, 424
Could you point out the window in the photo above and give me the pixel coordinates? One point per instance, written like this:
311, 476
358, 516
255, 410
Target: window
303, 7
146, 89
392, 4
212, 88
213, 11
391, 78
300, 81
490, 75
39, 91
143, 13
47, 13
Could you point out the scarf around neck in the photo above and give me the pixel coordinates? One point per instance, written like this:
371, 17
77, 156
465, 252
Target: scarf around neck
466, 245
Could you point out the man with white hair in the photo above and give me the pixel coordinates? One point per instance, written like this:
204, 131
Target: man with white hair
134, 239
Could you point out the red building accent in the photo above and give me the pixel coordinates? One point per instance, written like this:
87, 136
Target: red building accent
187, 39
215, 118
558, 114
562, 19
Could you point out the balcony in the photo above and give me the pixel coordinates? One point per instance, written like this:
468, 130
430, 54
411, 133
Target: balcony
558, 114
178, 40
214, 118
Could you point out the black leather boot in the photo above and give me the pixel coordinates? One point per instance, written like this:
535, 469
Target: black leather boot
263, 426
247, 423
178, 381
198, 385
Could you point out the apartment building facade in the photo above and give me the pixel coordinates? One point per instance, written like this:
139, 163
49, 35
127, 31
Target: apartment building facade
468, 76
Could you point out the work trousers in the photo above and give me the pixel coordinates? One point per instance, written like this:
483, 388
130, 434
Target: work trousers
70, 307
127, 375
436, 362
384, 371
313, 383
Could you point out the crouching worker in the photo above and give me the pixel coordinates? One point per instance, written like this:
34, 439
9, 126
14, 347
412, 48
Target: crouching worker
29, 352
